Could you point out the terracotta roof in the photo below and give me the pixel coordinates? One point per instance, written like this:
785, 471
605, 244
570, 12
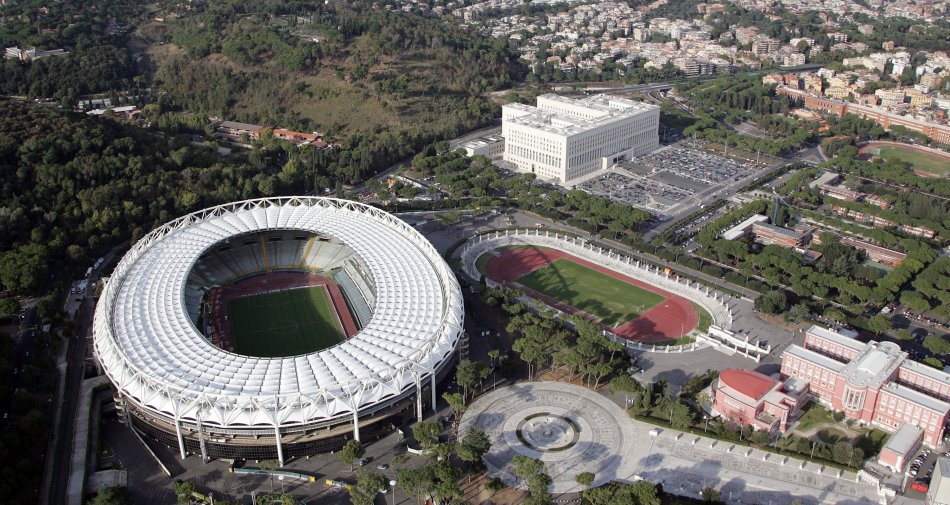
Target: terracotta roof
752, 384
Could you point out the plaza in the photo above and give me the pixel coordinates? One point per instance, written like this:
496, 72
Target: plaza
575, 430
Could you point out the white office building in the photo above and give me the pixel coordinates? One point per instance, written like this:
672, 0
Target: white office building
566, 138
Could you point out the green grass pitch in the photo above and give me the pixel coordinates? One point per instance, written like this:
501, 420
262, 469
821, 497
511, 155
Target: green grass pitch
924, 161
285, 323
612, 300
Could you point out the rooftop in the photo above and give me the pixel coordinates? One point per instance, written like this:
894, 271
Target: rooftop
778, 229
917, 397
905, 439
836, 337
927, 371
577, 115
874, 365
752, 384
814, 357
739, 229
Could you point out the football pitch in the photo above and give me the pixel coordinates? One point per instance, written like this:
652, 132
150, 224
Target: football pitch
927, 162
285, 323
611, 300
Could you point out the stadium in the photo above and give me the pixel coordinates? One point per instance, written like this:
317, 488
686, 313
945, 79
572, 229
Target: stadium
632, 301
277, 328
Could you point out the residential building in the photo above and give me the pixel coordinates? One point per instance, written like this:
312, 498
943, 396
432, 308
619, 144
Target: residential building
566, 138
876, 253
793, 59
747, 397
872, 383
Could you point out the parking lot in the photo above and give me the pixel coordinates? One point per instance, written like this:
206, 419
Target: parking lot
667, 180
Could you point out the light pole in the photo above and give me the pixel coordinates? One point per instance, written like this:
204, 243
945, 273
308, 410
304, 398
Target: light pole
706, 425
392, 484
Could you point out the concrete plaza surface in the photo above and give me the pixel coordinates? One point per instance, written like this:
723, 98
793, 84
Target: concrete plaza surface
616, 447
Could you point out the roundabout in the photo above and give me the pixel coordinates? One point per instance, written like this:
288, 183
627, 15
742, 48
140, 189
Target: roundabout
570, 428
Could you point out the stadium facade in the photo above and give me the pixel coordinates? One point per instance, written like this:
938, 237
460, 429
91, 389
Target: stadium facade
566, 138
176, 384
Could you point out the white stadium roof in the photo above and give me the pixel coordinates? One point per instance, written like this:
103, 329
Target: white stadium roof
151, 350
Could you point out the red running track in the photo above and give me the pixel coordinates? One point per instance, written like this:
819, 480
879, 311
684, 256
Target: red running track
270, 282
668, 320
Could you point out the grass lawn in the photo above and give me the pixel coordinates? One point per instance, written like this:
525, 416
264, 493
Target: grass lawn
924, 161
831, 435
612, 300
705, 320
286, 323
872, 441
815, 415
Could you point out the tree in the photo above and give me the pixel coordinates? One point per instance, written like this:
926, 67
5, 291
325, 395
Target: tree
585, 479
368, 485
457, 402
937, 345
473, 446
469, 374
184, 489
619, 493
624, 384
879, 324
426, 433
416, 482
772, 302
351, 452
534, 473
711, 495
113, 496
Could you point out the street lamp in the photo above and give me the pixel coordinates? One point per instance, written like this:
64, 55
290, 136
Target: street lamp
705, 426
392, 484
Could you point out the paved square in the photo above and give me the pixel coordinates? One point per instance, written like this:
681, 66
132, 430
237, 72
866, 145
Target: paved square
574, 430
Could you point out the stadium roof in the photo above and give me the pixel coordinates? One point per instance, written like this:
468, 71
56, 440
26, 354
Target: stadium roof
151, 350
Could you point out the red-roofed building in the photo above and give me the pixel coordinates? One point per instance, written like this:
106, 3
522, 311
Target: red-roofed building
748, 397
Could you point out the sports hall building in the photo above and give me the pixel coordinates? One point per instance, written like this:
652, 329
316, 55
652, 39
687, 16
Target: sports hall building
872, 383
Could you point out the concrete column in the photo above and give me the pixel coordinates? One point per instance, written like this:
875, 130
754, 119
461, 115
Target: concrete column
280, 446
181, 439
418, 399
356, 425
434, 399
201, 440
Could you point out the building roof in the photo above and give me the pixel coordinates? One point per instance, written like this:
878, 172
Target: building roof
904, 440
149, 346
812, 356
234, 125
743, 227
874, 365
602, 110
778, 229
824, 178
927, 371
836, 337
917, 398
750, 383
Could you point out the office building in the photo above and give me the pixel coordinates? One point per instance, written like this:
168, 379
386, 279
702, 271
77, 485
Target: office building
564, 139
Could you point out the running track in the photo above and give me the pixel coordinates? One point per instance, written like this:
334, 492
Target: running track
668, 320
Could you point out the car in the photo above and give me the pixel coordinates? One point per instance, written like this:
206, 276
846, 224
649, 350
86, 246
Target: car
382, 466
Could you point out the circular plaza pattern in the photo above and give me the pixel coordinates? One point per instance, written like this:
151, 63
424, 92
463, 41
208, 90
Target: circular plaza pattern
570, 428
